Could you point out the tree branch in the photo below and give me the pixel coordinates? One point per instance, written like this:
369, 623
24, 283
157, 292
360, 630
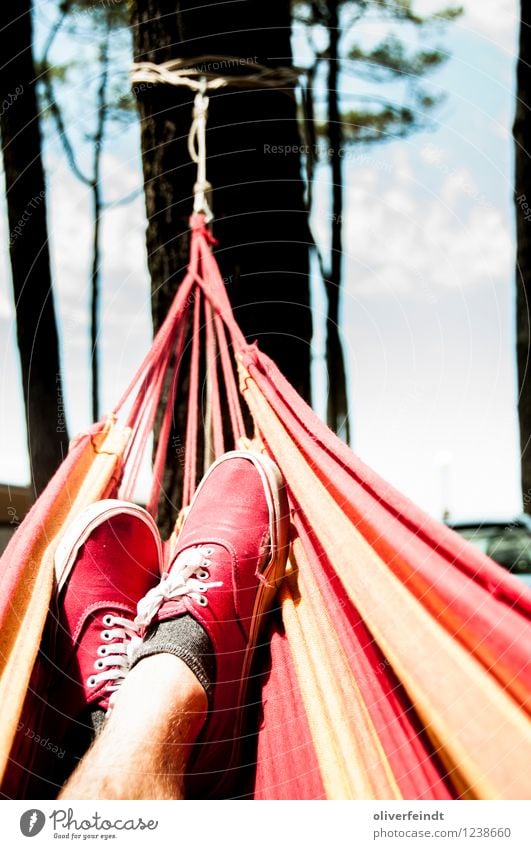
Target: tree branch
50, 97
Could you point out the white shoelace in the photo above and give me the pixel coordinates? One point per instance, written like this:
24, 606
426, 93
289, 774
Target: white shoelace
113, 661
187, 577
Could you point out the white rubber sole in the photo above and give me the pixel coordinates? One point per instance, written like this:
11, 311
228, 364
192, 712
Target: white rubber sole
85, 522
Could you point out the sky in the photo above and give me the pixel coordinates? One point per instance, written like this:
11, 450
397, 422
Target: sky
428, 305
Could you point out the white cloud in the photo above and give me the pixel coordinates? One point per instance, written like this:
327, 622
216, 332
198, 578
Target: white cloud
125, 321
433, 154
496, 20
71, 236
399, 238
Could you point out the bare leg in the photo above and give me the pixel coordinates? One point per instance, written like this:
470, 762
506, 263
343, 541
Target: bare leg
143, 749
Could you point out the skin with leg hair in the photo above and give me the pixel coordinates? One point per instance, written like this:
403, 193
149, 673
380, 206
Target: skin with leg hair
143, 749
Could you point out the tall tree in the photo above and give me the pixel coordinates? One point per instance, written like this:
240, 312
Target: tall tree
28, 244
337, 406
522, 138
254, 165
374, 117
101, 22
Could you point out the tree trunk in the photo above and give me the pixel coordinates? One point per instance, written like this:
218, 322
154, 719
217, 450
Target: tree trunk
337, 405
254, 165
97, 207
522, 137
28, 243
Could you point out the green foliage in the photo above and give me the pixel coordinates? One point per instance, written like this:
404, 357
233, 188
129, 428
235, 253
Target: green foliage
403, 10
371, 126
113, 13
390, 59
405, 106
383, 124
400, 61
122, 106
91, 22
57, 73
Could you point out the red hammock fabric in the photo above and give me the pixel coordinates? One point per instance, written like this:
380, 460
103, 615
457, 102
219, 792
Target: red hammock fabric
403, 670
484, 606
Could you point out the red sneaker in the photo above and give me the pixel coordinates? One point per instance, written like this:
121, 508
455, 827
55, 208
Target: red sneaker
108, 559
230, 556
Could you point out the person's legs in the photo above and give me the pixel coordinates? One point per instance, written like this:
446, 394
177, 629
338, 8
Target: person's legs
108, 558
143, 749
200, 627
227, 563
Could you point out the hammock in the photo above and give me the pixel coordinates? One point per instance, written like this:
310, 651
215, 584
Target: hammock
401, 666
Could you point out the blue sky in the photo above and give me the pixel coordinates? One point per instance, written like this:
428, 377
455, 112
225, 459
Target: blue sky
428, 307
428, 311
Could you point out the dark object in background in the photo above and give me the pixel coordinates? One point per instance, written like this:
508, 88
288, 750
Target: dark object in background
507, 542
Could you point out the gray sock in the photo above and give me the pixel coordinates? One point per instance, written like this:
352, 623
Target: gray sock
187, 639
97, 718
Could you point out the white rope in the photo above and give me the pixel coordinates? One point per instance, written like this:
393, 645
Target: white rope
191, 72
200, 74
197, 150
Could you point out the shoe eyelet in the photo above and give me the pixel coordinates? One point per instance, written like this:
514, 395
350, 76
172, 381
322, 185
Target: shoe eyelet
102, 651
108, 619
208, 551
99, 664
202, 574
202, 600
105, 635
91, 682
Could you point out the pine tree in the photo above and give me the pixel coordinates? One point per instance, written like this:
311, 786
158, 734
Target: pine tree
522, 138
28, 245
